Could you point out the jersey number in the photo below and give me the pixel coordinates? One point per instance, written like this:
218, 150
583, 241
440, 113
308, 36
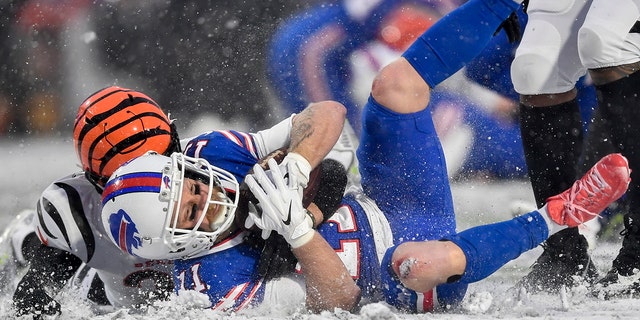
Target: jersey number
198, 284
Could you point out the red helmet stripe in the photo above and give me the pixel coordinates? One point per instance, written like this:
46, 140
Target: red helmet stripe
130, 183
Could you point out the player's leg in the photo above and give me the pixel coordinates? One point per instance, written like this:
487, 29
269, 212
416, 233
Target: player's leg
478, 252
544, 72
458, 37
398, 138
610, 48
620, 100
401, 93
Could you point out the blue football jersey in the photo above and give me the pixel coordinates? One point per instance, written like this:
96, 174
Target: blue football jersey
229, 277
233, 151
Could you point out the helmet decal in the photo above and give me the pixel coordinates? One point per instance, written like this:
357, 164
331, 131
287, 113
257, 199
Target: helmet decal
129, 183
166, 182
124, 231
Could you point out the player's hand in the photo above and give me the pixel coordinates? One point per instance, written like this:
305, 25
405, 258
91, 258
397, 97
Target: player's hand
511, 27
35, 302
298, 168
279, 205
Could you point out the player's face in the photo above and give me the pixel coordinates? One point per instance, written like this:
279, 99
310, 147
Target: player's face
194, 199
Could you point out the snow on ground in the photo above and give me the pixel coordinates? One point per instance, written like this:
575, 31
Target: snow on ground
30, 165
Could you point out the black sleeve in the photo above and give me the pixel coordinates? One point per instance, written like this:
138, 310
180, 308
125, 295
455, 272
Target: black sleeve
333, 183
50, 269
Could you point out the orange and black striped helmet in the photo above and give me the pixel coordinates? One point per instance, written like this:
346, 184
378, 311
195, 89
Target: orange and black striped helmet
115, 125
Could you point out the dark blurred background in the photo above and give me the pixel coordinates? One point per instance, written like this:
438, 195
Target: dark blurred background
194, 57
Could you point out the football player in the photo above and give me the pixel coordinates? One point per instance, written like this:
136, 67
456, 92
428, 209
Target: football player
113, 125
404, 200
561, 42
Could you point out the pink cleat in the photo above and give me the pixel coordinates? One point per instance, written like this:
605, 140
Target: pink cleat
603, 184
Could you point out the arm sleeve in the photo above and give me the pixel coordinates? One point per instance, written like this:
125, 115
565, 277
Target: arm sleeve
52, 210
287, 290
50, 268
273, 138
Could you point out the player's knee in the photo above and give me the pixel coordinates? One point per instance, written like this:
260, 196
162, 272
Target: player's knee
606, 42
400, 88
417, 271
593, 48
386, 83
533, 73
535, 69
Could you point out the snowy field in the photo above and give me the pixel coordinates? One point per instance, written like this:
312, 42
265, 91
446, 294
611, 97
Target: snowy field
31, 164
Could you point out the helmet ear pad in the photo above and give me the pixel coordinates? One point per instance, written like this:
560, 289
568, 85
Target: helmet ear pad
308, 194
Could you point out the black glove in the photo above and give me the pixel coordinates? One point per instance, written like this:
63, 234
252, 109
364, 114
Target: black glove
332, 184
50, 268
34, 301
525, 5
511, 27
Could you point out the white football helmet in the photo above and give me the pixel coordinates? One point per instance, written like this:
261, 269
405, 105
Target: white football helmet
140, 197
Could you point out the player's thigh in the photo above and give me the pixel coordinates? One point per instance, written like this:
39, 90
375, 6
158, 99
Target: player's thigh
605, 40
403, 169
547, 59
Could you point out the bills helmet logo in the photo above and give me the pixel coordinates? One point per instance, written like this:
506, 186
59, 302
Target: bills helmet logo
124, 231
166, 182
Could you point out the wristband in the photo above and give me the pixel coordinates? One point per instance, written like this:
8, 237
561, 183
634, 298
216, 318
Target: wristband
301, 240
313, 219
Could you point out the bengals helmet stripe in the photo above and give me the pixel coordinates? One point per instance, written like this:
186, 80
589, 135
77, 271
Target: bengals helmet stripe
115, 125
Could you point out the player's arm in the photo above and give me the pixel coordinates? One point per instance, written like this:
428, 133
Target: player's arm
312, 132
52, 264
316, 130
279, 207
49, 270
328, 283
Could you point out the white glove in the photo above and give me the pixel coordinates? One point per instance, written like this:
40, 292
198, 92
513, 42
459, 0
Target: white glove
298, 168
280, 203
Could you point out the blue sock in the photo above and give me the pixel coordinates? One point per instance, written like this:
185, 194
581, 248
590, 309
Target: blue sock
491, 246
457, 38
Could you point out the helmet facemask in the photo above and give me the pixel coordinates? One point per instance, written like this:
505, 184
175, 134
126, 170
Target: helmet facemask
221, 187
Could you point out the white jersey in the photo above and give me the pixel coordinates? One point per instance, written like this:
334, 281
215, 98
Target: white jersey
69, 218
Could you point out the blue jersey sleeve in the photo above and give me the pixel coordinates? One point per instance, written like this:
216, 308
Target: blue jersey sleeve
492, 67
228, 277
230, 150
